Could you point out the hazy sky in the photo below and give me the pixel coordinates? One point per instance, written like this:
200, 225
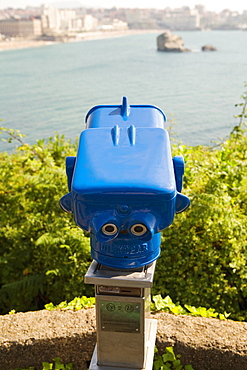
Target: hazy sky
214, 5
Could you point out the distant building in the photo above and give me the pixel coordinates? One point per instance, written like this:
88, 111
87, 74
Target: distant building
200, 8
37, 27
28, 13
244, 20
90, 23
182, 19
56, 22
115, 25
227, 19
66, 18
60, 20
20, 27
84, 23
119, 25
50, 18
140, 19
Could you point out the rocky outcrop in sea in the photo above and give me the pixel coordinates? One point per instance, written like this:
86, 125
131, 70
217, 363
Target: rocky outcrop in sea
209, 48
170, 42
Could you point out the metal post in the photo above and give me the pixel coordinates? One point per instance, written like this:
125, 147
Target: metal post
125, 332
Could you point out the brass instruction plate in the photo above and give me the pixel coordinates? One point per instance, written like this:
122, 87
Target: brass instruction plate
120, 316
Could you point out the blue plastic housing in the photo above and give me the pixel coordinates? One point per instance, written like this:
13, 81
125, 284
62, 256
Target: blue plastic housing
124, 186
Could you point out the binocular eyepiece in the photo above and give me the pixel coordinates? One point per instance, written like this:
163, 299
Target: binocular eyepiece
124, 186
136, 230
109, 229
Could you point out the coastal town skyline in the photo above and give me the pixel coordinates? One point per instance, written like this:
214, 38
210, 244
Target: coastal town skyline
211, 5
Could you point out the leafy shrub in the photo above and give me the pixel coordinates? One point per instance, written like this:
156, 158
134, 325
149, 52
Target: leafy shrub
166, 304
43, 255
55, 365
157, 304
204, 252
169, 361
76, 304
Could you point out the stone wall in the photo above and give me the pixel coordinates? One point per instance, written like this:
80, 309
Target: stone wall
27, 339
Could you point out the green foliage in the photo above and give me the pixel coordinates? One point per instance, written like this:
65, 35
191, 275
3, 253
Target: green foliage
169, 361
243, 115
76, 304
204, 252
26, 368
55, 365
166, 304
12, 312
43, 255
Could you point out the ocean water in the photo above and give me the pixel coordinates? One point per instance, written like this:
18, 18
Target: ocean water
51, 88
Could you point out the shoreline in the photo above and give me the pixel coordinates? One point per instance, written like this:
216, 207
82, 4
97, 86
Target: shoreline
96, 35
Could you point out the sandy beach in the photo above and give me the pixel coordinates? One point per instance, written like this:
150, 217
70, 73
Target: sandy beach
23, 44
97, 35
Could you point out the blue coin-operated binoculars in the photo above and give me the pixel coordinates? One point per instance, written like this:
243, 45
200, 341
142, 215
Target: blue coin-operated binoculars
124, 186
124, 189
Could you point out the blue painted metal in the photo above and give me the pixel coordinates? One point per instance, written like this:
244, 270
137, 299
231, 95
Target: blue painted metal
124, 187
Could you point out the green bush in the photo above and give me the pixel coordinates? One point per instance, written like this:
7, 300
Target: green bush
55, 365
169, 361
44, 256
204, 252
